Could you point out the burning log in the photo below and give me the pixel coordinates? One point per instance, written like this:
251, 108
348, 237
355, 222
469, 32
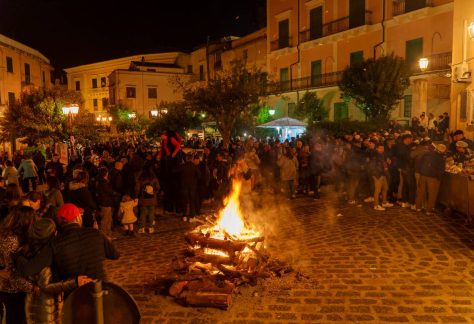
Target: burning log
225, 252
209, 299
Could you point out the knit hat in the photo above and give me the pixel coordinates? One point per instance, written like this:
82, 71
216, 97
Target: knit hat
149, 189
42, 229
440, 147
69, 212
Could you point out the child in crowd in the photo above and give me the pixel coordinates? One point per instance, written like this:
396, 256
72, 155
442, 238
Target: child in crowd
127, 214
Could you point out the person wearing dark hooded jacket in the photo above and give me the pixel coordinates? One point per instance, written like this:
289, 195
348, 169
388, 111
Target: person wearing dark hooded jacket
80, 196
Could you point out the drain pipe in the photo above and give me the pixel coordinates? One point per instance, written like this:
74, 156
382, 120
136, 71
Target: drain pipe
383, 30
299, 55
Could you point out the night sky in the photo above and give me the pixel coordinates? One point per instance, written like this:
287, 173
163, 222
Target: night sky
74, 32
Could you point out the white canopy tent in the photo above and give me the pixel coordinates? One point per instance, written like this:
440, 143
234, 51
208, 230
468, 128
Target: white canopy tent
286, 127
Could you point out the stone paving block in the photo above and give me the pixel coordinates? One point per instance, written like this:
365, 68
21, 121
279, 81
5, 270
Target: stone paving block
425, 318
453, 319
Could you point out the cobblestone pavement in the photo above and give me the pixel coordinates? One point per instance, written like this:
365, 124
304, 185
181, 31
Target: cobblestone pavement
359, 265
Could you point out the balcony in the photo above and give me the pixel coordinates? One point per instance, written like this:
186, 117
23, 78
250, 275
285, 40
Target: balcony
436, 62
280, 43
334, 27
401, 7
316, 81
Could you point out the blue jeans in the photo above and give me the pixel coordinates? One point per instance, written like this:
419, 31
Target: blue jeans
147, 216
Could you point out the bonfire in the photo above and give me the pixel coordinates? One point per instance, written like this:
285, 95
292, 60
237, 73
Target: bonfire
224, 252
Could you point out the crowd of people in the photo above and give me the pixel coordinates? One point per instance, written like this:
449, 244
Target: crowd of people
55, 239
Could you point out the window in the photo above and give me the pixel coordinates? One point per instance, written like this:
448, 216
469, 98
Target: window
284, 33
356, 13
284, 79
27, 74
11, 98
95, 103
190, 69
245, 54
218, 60
78, 85
43, 77
105, 103
291, 108
316, 73
131, 92
407, 106
94, 83
413, 52
411, 5
103, 82
9, 64
316, 23
341, 111
152, 93
356, 58
201, 72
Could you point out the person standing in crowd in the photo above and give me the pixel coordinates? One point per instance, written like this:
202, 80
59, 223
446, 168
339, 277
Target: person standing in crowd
288, 172
80, 195
463, 153
10, 173
459, 136
203, 181
76, 251
44, 305
13, 236
29, 173
105, 201
148, 186
378, 170
127, 215
316, 168
407, 171
431, 171
189, 176
54, 168
352, 167
53, 196
40, 162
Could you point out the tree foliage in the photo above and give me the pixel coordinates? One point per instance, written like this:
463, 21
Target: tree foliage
377, 85
37, 116
227, 97
178, 118
310, 109
124, 120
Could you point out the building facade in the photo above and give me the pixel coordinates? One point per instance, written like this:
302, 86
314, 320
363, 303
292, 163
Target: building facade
139, 71
21, 67
462, 90
311, 42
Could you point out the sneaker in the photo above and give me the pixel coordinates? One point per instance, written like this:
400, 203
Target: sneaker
379, 208
413, 207
352, 202
369, 199
151, 230
387, 204
405, 205
141, 231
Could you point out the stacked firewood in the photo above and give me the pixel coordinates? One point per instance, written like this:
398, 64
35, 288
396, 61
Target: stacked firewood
213, 268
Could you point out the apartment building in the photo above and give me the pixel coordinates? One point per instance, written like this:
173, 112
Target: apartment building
311, 42
21, 67
114, 79
209, 59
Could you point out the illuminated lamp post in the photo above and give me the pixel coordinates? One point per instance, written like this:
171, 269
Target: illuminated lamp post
423, 64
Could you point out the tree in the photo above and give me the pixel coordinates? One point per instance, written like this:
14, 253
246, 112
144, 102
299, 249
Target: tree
227, 97
178, 118
311, 109
376, 86
126, 120
37, 116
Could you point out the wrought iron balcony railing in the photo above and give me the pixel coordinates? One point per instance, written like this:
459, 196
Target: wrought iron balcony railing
436, 62
334, 27
280, 43
315, 81
403, 6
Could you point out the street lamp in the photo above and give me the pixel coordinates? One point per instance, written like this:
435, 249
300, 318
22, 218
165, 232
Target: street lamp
271, 112
423, 64
70, 111
153, 113
132, 115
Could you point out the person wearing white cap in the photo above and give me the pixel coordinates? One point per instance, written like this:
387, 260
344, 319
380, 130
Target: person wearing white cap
463, 153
